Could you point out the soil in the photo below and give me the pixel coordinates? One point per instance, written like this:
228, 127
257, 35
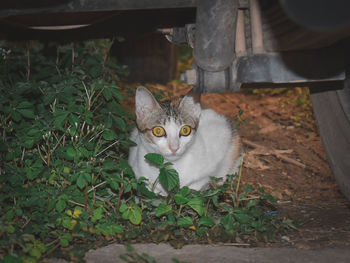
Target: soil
284, 154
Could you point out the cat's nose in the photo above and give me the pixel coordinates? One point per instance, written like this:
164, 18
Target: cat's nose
173, 150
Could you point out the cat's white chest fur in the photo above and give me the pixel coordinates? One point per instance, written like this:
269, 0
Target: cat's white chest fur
213, 152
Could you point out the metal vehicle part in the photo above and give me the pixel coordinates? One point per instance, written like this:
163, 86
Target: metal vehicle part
235, 42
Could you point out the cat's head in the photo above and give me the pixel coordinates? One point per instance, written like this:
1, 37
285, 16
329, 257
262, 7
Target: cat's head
168, 127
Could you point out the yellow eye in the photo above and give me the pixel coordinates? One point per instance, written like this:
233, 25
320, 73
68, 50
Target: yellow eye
185, 130
158, 131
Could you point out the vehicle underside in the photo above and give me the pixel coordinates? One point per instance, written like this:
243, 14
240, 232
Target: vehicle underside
235, 43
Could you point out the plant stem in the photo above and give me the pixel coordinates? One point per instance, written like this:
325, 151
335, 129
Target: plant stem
73, 202
94, 187
120, 196
154, 184
107, 148
239, 181
86, 196
42, 157
180, 210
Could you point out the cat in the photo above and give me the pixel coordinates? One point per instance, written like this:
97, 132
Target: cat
199, 142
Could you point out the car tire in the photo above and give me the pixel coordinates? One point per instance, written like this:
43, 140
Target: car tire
332, 112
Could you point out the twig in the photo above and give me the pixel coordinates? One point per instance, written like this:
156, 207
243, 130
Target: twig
86, 196
26, 223
120, 196
236, 244
240, 175
58, 140
262, 150
53, 249
106, 148
236, 202
42, 157
22, 158
290, 160
88, 96
98, 134
121, 191
53, 242
73, 202
94, 187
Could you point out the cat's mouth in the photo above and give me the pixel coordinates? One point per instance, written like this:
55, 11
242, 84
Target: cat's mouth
172, 156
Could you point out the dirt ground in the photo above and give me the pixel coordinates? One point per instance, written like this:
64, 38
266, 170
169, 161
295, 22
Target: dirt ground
284, 154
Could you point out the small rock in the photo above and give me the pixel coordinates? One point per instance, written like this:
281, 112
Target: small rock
285, 238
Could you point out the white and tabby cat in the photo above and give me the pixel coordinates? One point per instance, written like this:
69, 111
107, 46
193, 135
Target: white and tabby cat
199, 142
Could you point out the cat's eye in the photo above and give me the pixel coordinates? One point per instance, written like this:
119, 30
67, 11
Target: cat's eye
185, 130
158, 131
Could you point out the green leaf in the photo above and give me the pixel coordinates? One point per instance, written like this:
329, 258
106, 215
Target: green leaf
201, 230
28, 113
163, 209
16, 116
35, 253
109, 135
180, 199
155, 158
71, 153
61, 205
24, 105
19, 211
117, 94
206, 221
64, 242
185, 191
133, 213
81, 182
119, 122
252, 203
9, 215
109, 229
269, 198
185, 221
11, 229
197, 205
67, 223
227, 222
98, 214
88, 177
108, 121
114, 185
242, 218
11, 259
123, 208
107, 93
144, 191
60, 118
248, 188
96, 71
169, 178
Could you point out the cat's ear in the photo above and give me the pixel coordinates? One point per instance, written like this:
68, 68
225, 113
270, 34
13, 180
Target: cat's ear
145, 103
195, 94
191, 105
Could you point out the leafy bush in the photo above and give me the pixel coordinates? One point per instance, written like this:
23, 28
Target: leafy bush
64, 176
